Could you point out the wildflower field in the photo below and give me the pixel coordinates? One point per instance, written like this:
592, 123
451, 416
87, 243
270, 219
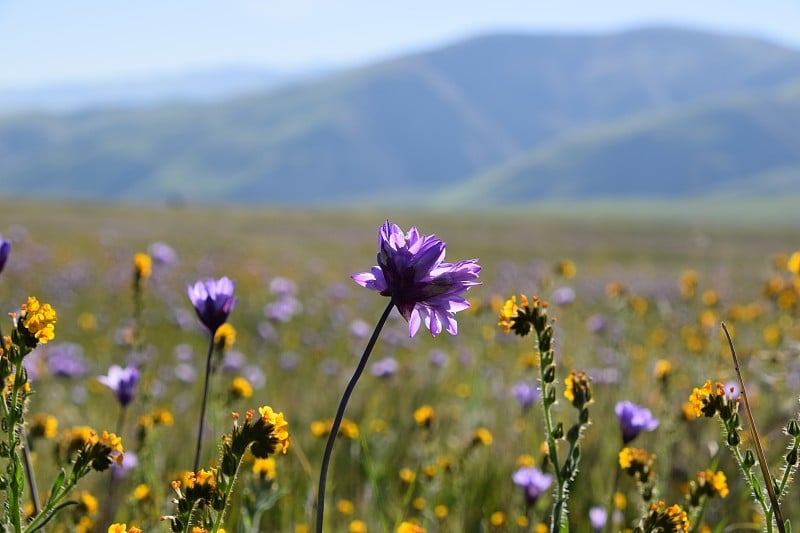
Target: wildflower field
588, 402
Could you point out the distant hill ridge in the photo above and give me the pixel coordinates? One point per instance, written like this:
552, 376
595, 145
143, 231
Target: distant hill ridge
662, 112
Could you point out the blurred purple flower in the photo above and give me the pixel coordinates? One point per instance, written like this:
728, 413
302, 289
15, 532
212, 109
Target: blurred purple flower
634, 419
438, 358
532, 481
384, 368
597, 517
129, 461
526, 394
563, 296
359, 328
162, 253
283, 309
282, 287
213, 301
289, 361
122, 381
66, 360
233, 361
412, 272
5, 249
596, 323
185, 372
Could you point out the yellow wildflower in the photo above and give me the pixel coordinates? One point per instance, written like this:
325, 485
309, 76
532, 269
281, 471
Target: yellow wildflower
225, 336
142, 266
240, 387
280, 427
424, 416
39, 320
264, 468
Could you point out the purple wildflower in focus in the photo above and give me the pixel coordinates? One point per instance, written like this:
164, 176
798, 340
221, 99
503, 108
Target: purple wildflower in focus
213, 301
563, 296
526, 394
5, 249
162, 253
597, 517
425, 289
122, 381
66, 360
634, 419
532, 481
384, 368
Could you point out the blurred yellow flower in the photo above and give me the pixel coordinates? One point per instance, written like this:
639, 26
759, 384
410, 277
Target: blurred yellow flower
424, 416
225, 336
142, 266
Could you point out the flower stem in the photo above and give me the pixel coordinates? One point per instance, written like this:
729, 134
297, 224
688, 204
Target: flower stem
203, 408
762, 460
26, 462
337, 421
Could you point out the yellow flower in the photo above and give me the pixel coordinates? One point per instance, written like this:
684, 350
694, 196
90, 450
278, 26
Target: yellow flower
264, 468
280, 427
497, 518
87, 322
662, 369
142, 266
87, 502
118, 528
407, 475
441, 511
509, 312
240, 387
348, 429
566, 269
410, 527
793, 264
482, 436
720, 484
699, 398
225, 336
43, 426
141, 492
345, 507
357, 526
424, 416
39, 320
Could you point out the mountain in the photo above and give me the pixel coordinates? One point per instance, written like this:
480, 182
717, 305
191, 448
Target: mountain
419, 128
195, 86
742, 146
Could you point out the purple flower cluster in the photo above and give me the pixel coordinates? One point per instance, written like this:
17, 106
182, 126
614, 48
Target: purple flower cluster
411, 271
5, 250
122, 381
532, 481
633, 420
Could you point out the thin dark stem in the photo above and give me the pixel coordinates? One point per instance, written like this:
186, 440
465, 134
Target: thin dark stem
326, 457
26, 462
203, 408
762, 460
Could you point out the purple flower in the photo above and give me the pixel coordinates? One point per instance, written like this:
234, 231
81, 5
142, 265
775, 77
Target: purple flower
385, 368
526, 394
122, 381
412, 272
213, 301
634, 419
129, 461
563, 296
5, 249
533, 481
162, 253
597, 517
66, 360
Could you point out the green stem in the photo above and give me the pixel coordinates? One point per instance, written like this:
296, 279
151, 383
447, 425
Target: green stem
762, 460
337, 421
203, 408
610, 507
226, 499
17, 485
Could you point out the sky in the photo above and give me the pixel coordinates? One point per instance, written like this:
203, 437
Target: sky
59, 41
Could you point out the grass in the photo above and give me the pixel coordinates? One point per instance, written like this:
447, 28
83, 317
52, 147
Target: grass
78, 257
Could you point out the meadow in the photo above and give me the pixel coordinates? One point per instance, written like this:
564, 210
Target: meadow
435, 430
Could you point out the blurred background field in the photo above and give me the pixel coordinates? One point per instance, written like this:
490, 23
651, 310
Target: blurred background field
619, 287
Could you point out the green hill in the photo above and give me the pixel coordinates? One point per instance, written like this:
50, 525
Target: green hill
424, 124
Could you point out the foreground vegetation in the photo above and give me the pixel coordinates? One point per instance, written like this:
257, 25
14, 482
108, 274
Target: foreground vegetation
438, 428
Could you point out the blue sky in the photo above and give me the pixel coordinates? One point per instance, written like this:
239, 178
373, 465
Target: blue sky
43, 42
